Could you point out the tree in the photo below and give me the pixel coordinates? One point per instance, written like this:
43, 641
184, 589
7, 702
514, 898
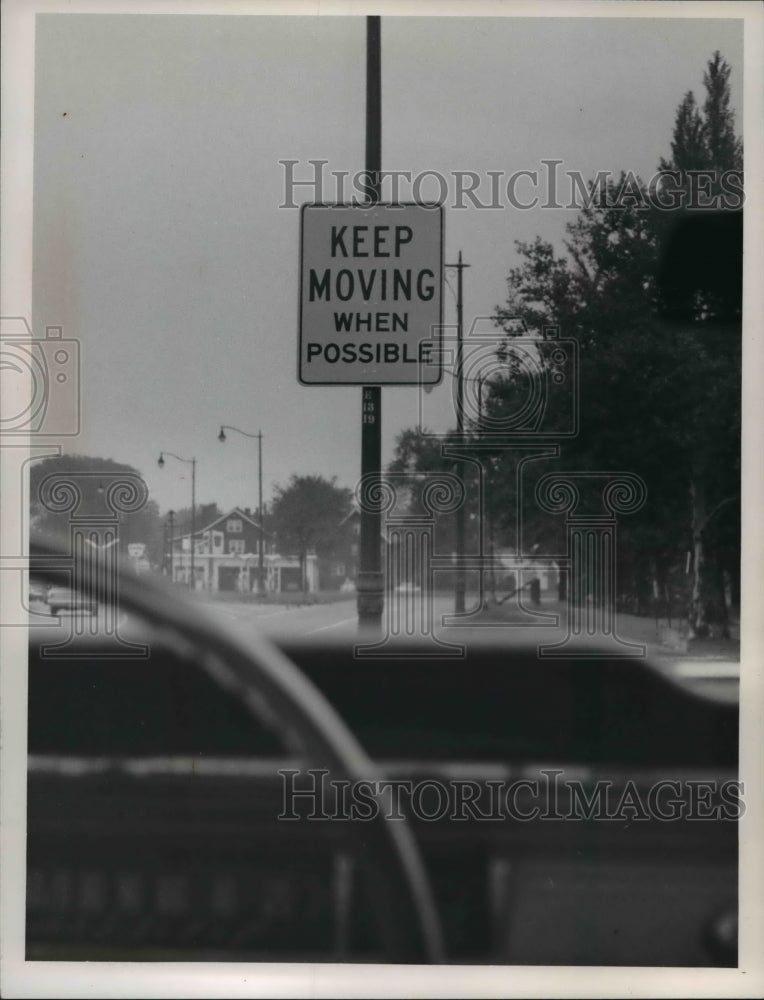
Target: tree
659, 349
143, 525
419, 455
705, 306
306, 515
707, 140
657, 320
724, 148
601, 292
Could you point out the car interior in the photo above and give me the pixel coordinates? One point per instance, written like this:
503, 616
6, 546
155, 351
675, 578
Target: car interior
173, 811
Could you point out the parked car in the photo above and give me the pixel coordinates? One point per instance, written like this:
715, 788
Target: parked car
67, 599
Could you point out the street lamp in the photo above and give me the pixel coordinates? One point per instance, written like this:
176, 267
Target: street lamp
192, 463
222, 438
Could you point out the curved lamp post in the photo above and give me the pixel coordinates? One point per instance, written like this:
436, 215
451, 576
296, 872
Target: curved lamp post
222, 438
192, 463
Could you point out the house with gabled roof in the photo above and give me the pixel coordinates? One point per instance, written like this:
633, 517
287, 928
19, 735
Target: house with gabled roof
227, 557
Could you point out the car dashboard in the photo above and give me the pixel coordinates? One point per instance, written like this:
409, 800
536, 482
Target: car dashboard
176, 811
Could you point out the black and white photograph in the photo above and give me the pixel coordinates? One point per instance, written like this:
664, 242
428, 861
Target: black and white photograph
381, 555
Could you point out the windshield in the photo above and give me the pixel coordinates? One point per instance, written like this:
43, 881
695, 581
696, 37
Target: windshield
552, 465
413, 345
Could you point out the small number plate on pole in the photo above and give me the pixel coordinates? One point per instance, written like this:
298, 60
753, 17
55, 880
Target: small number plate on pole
371, 294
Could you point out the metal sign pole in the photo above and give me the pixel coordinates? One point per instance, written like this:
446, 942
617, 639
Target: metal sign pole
370, 583
460, 576
461, 582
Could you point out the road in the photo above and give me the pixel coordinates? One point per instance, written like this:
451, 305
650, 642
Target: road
716, 678
543, 626
288, 620
338, 622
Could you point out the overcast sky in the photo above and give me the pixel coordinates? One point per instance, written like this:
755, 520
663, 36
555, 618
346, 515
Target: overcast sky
158, 238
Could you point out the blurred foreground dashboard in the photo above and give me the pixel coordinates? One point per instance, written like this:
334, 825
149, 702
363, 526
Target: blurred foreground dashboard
575, 812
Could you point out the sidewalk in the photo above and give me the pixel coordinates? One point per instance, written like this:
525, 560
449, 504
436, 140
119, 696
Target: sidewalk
660, 639
672, 639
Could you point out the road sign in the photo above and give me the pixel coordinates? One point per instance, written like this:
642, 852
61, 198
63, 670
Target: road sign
371, 294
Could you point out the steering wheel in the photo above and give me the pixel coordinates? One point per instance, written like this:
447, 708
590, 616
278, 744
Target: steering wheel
405, 911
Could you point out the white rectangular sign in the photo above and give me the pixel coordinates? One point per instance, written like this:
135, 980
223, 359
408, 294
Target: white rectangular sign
371, 294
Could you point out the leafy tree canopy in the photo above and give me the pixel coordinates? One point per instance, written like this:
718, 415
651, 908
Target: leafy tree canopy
306, 514
92, 477
653, 298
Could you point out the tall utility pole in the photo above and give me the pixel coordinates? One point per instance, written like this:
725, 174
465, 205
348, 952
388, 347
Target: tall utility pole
370, 582
192, 463
259, 436
461, 584
171, 528
261, 540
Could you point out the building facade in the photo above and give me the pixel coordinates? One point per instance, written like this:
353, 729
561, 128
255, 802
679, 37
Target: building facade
227, 558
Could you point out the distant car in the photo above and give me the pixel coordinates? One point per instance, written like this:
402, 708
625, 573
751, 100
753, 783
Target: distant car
66, 599
408, 588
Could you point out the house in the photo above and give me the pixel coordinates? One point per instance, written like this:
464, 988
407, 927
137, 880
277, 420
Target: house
283, 573
227, 558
